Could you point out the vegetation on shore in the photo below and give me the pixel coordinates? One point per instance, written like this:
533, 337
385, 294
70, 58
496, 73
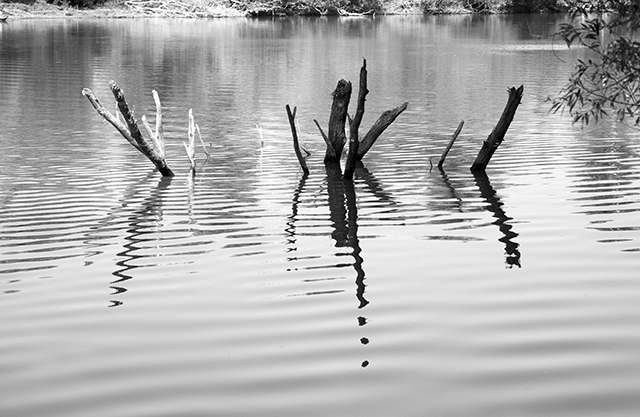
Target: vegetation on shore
228, 8
608, 82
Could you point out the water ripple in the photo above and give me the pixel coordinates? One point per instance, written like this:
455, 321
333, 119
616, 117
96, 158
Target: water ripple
409, 291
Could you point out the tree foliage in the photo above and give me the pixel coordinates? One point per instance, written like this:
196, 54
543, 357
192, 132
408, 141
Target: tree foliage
608, 80
78, 3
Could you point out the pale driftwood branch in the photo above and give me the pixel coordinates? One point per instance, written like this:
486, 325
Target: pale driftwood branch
190, 146
147, 128
120, 119
145, 146
130, 132
296, 144
157, 137
260, 133
448, 148
109, 117
496, 137
175, 8
127, 115
159, 134
354, 124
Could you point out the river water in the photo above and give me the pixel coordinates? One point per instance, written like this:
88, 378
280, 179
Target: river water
250, 289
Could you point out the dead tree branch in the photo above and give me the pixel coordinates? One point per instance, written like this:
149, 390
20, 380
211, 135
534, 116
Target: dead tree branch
296, 143
354, 124
383, 122
448, 148
496, 137
130, 131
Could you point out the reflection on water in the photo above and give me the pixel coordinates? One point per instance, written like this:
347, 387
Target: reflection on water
386, 295
495, 207
144, 223
344, 222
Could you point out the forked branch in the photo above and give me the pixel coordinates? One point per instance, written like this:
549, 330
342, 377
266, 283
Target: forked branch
130, 131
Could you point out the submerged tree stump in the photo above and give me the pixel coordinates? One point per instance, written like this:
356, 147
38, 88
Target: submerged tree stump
496, 137
152, 147
336, 138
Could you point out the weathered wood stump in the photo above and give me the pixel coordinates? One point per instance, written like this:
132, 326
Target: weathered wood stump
336, 138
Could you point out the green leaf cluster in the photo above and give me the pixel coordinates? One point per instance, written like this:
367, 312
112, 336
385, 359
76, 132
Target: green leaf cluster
608, 81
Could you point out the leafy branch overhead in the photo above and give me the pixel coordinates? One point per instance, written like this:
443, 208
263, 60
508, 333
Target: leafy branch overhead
607, 81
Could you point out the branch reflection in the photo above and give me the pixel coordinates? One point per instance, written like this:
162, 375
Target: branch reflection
144, 221
452, 194
344, 218
343, 215
291, 221
495, 206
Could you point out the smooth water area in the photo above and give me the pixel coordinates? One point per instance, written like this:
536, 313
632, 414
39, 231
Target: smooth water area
251, 289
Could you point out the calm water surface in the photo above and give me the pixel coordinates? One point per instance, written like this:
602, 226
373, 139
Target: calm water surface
252, 290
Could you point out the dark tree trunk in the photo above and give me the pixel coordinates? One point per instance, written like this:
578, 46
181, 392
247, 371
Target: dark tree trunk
355, 124
337, 122
448, 148
336, 138
296, 143
496, 137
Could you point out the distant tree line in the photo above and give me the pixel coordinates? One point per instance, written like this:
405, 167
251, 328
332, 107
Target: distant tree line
314, 7
356, 6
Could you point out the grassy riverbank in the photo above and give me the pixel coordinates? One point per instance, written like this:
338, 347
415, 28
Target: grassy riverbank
236, 8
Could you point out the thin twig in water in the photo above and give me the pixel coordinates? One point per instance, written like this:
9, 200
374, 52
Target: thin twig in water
260, 132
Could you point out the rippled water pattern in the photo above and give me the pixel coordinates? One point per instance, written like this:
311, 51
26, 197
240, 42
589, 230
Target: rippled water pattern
250, 289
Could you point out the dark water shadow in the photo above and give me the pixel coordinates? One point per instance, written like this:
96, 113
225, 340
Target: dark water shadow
291, 229
450, 191
454, 196
343, 215
489, 195
344, 218
142, 222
